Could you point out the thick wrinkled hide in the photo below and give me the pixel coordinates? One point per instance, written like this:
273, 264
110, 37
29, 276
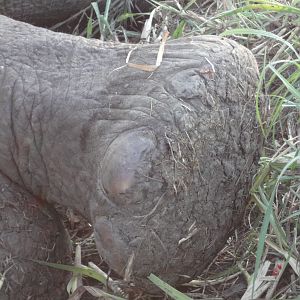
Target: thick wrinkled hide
160, 163
41, 12
29, 231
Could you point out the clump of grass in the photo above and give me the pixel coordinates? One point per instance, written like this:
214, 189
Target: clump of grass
115, 289
108, 20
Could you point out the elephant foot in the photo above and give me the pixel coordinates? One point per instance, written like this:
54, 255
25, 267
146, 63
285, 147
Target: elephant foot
28, 231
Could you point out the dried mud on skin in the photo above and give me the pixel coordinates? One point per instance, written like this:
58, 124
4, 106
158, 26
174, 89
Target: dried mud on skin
30, 231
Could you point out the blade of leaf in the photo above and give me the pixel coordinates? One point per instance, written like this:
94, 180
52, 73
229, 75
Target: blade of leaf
82, 270
258, 32
294, 92
89, 27
263, 7
107, 7
96, 292
178, 32
266, 220
98, 15
169, 290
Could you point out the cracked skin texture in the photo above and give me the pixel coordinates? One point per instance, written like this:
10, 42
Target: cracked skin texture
28, 231
160, 163
41, 12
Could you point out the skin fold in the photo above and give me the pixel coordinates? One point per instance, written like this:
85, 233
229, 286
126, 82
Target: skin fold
41, 12
159, 163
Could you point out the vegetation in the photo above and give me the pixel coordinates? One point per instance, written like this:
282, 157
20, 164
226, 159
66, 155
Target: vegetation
261, 258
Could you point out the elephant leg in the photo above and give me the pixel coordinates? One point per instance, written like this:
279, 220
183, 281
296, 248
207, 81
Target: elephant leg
29, 230
45, 13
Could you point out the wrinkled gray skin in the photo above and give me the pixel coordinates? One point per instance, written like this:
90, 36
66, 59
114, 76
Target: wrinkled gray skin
160, 163
41, 12
29, 229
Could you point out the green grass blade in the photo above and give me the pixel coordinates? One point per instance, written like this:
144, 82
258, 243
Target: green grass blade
261, 240
257, 102
283, 66
178, 32
98, 15
292, 90
105, 17
280, 233
275, 116
165, 6
258, 32
267, 216
86, 271
107, 7
189, 4
169, 290
268, 7
100, 294
129, 15
291, 216
89, 27
105, 24
260, 178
